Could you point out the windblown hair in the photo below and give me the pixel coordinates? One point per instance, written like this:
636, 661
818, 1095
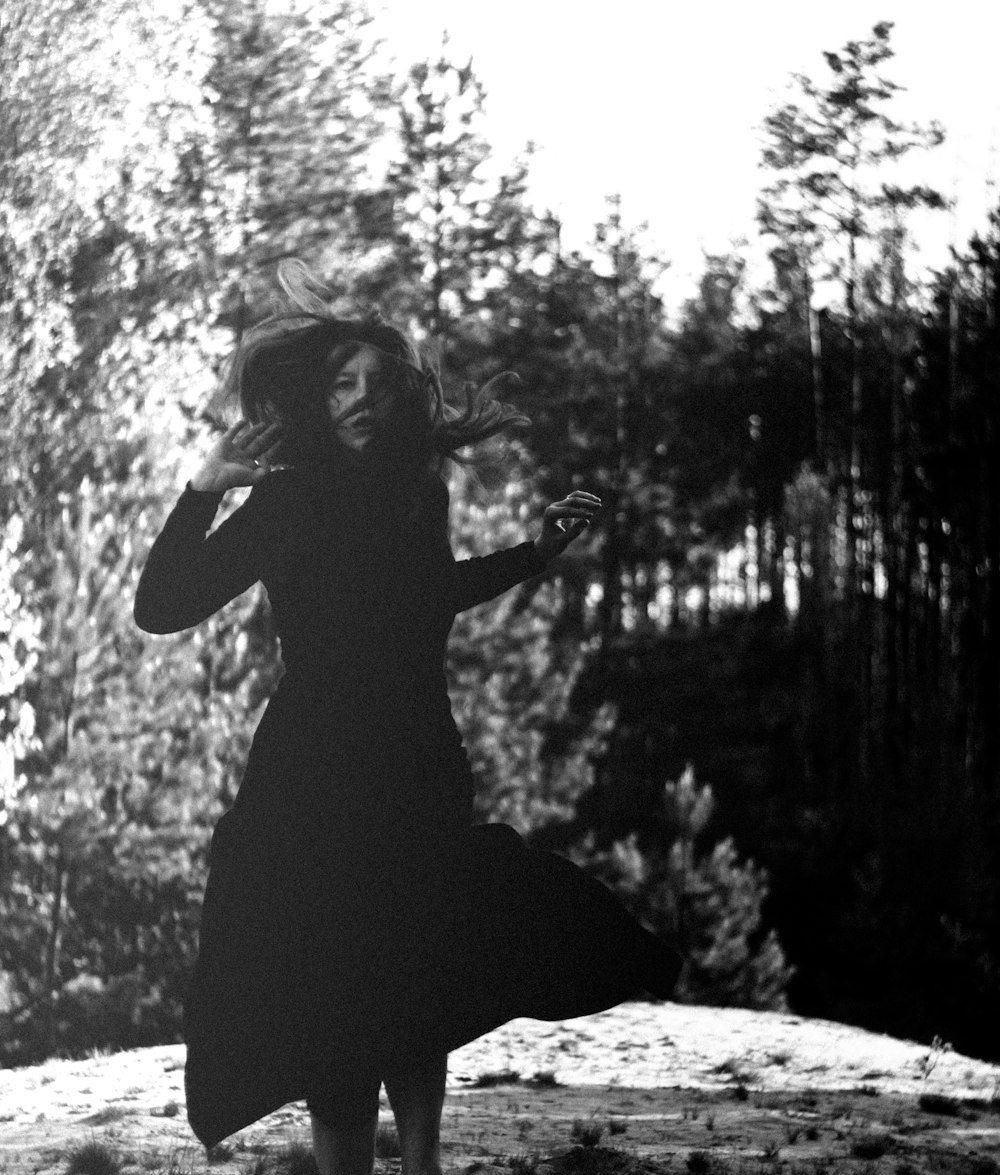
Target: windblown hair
282, 366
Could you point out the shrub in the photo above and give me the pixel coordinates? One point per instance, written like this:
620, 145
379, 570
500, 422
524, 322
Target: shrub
93, 1158
709, 904
587, 1133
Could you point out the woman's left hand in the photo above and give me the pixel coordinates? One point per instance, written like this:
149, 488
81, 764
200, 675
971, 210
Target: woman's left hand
564, 521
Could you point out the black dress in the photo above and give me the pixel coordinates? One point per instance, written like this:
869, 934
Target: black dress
352, 911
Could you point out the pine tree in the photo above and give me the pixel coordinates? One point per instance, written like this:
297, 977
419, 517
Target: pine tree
297, 106
710, 905
450, 228
830, 148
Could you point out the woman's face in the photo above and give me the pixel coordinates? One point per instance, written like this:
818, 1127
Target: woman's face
355, 400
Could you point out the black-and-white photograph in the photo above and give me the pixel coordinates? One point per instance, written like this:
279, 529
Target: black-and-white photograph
499, 588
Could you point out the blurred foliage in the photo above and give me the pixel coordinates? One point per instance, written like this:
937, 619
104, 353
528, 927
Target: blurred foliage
511, 681
137, 746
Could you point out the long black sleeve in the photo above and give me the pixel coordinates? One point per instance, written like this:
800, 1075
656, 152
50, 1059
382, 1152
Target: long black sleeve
190, 574
486, 576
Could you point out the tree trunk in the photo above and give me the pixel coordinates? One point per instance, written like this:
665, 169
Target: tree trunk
816, 370
52, 949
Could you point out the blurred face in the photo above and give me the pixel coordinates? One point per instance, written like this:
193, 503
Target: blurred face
355, 400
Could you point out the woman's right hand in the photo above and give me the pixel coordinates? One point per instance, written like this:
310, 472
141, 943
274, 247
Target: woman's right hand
240, 457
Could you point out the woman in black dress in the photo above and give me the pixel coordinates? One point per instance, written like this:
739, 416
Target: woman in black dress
356, 926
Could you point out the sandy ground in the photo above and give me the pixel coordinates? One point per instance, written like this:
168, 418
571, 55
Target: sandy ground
648, 1083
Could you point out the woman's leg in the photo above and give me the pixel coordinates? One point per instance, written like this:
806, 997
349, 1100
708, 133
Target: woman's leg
343, 1125
344, 1149
416, 1093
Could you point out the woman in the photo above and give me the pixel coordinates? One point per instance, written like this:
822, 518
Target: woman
356, 926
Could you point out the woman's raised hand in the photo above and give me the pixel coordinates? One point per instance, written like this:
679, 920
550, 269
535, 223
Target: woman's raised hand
564, 521
240, 457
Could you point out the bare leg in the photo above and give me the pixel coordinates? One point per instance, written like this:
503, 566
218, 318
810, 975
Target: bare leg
347, 1149
416, 1094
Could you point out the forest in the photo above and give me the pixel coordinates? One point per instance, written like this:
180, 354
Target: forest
760, 698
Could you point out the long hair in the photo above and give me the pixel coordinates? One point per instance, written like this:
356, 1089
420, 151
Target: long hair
281, 367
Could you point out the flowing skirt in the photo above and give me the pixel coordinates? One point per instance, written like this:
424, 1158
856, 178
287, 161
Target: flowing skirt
335, 936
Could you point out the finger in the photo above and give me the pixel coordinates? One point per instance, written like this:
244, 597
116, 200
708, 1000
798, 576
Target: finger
566, 535
238, 436
254, 431
584, 503
574, 530
246, 446
265, 459
557, 510
581, 502
262, 441
584, 494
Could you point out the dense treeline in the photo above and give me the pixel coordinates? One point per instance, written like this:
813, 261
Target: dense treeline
794, 587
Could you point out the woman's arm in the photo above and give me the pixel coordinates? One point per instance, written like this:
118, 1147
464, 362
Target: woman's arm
479, 579
485, 576
190, 574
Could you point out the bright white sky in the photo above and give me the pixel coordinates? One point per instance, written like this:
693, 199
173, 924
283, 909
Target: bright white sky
662, 100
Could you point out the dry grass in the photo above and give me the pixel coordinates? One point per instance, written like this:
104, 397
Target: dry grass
387, 1142
94, 1158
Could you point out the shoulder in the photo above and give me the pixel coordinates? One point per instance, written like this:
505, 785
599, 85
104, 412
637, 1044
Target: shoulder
436, 489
